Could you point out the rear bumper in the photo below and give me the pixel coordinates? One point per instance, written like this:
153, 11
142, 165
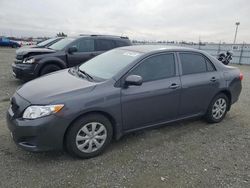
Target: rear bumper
24, 71
235, 89
42, 134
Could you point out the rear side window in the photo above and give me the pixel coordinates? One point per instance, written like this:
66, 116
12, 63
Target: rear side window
210, 66
104, 44
120, 43
194, 63
84, 45
156, 68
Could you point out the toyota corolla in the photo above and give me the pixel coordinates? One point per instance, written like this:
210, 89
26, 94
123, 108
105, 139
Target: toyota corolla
83, 108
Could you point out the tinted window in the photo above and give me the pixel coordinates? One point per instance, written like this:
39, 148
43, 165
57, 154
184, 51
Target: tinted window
156, 67
192, 63
120, 43
104, 44
84, 45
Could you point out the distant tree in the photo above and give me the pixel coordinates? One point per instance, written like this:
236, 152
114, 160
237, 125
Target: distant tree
62, 34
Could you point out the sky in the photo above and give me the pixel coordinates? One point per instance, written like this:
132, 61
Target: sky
172, 20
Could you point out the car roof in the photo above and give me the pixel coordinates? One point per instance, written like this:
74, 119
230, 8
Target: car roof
157, 48
99, 36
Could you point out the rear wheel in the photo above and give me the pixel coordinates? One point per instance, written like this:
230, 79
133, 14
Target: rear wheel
89, 136
49, 68
217, 108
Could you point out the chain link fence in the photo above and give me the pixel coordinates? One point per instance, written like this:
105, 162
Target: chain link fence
241, 52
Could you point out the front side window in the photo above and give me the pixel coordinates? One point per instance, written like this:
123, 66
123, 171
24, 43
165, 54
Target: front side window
104, 44
5, 40
84, 45
192, 63
156, 68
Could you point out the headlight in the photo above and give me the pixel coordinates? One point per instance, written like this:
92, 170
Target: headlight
33, 112
30, 60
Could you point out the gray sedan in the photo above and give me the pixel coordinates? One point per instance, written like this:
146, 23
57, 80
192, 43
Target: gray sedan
123, 90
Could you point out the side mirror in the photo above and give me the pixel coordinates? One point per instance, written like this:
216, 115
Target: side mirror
72, 49
133, 80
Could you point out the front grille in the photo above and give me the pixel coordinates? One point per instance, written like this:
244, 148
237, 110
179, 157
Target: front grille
19, 57
18, 61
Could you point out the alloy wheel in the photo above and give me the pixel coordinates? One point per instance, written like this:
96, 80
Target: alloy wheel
219, 108
91, 137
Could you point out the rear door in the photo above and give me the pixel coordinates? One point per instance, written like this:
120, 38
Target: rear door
103, 45
157, 99
200, 82
85, 51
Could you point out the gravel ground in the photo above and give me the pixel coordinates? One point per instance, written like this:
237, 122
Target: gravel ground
185, 154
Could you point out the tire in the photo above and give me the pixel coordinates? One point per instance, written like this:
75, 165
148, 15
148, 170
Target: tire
217, 109
82, 145
49, 68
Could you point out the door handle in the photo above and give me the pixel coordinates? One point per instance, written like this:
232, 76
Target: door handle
174, 86
213, 79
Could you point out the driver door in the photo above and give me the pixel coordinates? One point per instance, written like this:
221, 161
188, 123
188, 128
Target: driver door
85, 51
158, 98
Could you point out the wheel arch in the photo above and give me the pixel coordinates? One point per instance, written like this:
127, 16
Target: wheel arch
116, 133
229, 96
51, 62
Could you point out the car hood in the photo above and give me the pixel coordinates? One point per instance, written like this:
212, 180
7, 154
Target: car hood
55, 87
24, 51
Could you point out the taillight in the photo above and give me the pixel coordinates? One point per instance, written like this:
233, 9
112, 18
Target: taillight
241, 76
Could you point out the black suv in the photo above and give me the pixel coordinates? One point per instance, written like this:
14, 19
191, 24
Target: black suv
31, 63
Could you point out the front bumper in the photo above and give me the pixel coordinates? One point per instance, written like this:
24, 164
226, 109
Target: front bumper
24, 71
42, 134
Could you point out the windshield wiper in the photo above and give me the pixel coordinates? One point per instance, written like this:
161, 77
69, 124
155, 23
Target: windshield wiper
86, 74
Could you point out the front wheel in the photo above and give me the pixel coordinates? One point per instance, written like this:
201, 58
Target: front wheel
217, 109
89, 136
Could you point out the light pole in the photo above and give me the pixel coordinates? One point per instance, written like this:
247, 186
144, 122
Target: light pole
237, 25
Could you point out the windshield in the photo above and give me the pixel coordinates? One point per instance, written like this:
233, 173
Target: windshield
46, 42
108, 64
61, 44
